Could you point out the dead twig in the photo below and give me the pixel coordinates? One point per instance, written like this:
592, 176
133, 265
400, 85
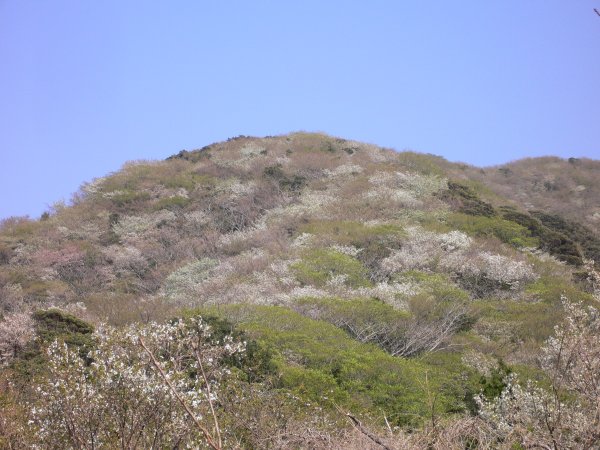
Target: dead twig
208, 394
359, 426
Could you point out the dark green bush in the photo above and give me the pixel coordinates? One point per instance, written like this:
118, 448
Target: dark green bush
51, 325
556, 236
464, 200
292, 183
573, 231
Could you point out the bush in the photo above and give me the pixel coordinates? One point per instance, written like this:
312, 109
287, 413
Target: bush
124, 395
310, 353
320, 266
552, 240
285, 182
577, 233
463, 199
172, 203
49, 326
505, 230
429, 328
129, 198
564, 416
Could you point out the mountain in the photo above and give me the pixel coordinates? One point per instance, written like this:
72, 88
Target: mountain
397, 286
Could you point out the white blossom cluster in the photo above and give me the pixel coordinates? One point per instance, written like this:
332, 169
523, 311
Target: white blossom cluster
349, 250
564, 416
343, 170
394, 294
453, 253
309, 203
302, 240
116, 394
482, 363
251, 150
126, 259
132, 227
246, 156
94, 186
499, 269
188, 278
236, 188
376, 154
16, 330
423, 249
406, 188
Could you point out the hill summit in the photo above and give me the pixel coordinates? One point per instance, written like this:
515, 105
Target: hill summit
317, 275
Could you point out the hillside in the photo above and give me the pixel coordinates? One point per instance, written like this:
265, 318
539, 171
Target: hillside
396, 286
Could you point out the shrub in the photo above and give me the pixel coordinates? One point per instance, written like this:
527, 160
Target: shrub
564, 416
462, 198
182, 282
128, 198
577, 233
285, 182
482, 226
400, 333
552, 241
172, 203
320, 266
368, 379
16, 331
129, 394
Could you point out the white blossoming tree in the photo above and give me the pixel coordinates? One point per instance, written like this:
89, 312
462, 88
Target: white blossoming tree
140, 387
567, 415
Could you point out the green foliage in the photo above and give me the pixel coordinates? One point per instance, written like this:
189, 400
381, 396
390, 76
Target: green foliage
51, 325
482, 226
575, 232
551, 238
320, 265
346, 232
32, 287
192, 156
359, 311
518, 321
18, 228
129, 197
172, 203
375, 242
54, 324
255, 364
424, 163
313, 354
285, 182
493, 384
312, 384
462, 198
550, 289
489, 386
188, 181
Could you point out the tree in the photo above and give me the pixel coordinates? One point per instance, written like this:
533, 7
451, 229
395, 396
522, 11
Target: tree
138, 388
567, 415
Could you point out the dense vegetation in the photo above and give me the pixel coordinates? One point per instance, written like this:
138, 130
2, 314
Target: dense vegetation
304, 291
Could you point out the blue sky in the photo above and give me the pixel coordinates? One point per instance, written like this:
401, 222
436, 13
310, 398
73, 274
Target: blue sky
88, 85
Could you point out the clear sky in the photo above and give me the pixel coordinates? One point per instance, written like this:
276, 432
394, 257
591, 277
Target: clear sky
88, 85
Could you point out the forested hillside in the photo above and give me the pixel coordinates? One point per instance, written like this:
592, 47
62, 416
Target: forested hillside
305, 291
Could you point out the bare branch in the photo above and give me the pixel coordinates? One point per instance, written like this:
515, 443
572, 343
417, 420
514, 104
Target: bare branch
208, 394
207, 435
